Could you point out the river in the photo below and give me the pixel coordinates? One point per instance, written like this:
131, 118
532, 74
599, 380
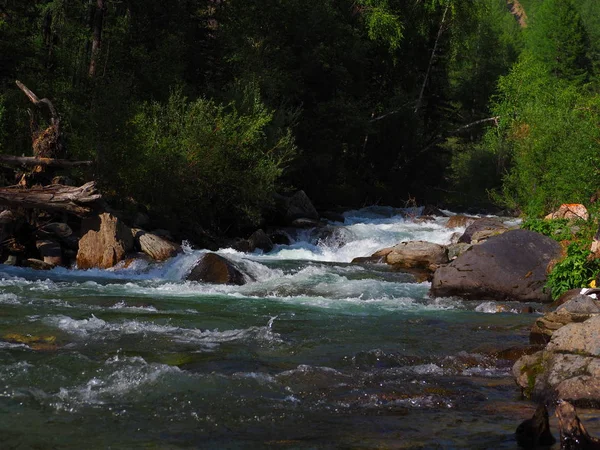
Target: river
316, 353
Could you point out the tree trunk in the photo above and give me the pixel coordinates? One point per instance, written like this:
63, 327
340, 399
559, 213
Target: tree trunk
98, 23
431, 59
80, 201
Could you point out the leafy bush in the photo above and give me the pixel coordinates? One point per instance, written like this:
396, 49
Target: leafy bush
557, 229
575, 271
550, 130
204, 162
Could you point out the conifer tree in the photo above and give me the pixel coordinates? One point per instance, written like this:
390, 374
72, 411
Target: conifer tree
558, 38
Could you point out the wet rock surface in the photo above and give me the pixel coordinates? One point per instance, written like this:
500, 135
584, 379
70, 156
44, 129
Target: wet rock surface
569, 367
213, 268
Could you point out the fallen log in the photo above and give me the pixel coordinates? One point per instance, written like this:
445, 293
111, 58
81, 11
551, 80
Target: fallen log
80, 201
11, 161
573, 435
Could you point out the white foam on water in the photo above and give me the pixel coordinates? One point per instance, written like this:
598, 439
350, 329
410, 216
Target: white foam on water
96, 328
122, 306
119, 377
492, 307
321, 283
9, 299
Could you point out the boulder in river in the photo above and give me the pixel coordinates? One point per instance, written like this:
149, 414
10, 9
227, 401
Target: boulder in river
105, 242
38, 264
417, 255
511, 266
216, 269
50, 251
482, 229
260, 240
568, 368
430, 210
576, 310
460, 221
257, 240
535, 432
298, 206
154, 246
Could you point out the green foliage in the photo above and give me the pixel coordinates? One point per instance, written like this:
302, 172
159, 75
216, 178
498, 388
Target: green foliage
557, 229
382, 23
575, 271
549, 129
344, 75
557, 38
206, 162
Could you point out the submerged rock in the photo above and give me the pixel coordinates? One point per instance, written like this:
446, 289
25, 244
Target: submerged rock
334, 237
511, 266
213, 268
535, 432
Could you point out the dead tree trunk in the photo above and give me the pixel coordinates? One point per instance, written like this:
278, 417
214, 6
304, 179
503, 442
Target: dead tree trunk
98, 23
16, 161
46, 142
79, 201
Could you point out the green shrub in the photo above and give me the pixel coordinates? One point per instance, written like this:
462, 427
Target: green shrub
550, 130
557, 229
207, 163
575, 271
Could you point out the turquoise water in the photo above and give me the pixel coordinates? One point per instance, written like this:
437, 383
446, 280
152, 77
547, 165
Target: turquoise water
316, 353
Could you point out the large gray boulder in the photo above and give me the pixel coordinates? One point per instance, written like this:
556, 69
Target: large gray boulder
511, 266
568, 368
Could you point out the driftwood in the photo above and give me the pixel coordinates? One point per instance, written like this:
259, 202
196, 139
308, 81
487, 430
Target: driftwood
12, 161
54, 119
46, 142
573, 435
80, 201
535, 432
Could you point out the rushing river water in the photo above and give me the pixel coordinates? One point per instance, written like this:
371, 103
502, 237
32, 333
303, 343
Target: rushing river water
316, 353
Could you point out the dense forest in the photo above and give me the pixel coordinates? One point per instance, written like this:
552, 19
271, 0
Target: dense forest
199, 110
